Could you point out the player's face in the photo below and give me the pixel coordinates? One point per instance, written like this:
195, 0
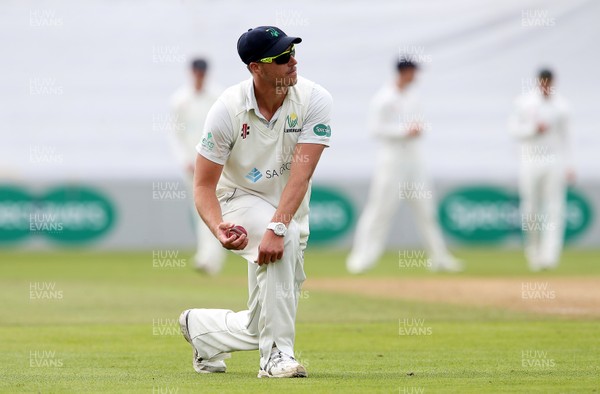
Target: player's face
407, 76
198, 76
280, 75
545, 85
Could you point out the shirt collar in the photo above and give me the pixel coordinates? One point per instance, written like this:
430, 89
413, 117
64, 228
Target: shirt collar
251, 98
251, 104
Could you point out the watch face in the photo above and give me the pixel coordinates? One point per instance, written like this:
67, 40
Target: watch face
280, 229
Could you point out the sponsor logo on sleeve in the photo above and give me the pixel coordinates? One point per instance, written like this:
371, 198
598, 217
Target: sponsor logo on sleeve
208, 143
322, 130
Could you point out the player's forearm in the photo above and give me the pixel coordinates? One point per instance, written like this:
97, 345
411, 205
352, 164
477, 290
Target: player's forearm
522, 126
523, 130
390, 130
291, 198
208, 207
306, 157
206, 177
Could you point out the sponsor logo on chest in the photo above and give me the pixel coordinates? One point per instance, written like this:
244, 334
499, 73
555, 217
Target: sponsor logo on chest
291, 124
255, 174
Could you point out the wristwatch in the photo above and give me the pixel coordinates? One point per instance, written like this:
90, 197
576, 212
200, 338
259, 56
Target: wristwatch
278, 228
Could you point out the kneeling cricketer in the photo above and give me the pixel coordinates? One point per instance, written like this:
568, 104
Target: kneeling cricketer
261, 144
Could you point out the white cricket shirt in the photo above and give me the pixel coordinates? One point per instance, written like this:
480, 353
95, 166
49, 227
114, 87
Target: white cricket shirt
256, 153
190, 108
392, 113
551, 147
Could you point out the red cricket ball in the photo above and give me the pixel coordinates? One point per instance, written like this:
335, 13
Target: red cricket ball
237, 230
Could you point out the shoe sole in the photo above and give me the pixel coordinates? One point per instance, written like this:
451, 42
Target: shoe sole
300, 372
183, 325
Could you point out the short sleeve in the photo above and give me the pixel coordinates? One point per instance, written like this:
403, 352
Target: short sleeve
217, 138
317, 128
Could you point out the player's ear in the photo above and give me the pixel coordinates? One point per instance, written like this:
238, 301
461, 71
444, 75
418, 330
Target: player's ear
255, 68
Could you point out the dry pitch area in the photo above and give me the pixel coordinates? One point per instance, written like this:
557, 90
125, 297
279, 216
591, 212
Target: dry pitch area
574, 296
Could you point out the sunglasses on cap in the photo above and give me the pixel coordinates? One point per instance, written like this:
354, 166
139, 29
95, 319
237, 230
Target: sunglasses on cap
282, 58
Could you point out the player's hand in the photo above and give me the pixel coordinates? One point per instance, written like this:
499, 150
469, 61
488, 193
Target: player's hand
231, 241
542, 128
270, 249
414, 130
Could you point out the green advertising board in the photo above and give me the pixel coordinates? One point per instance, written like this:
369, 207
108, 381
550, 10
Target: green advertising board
331, 214
65, 214
485, 214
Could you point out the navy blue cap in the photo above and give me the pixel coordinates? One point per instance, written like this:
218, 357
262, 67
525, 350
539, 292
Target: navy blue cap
545, 74
199, 65
263, 41
405, 62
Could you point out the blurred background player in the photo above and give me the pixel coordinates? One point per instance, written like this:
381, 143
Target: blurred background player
190, 105
539, 122
396, 120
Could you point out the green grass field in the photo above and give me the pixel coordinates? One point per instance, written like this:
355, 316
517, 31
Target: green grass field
109, 325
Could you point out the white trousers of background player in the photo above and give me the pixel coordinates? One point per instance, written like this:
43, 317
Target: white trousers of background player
273, 291
399, 167
543, 198
210, 254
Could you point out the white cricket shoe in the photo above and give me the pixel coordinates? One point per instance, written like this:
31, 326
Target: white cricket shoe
214, 365
447, 265
206, 268
280, 365
357, 266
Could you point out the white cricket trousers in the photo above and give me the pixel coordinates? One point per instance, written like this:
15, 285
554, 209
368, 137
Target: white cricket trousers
543, 193
209, 253
273, 290
399, 175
